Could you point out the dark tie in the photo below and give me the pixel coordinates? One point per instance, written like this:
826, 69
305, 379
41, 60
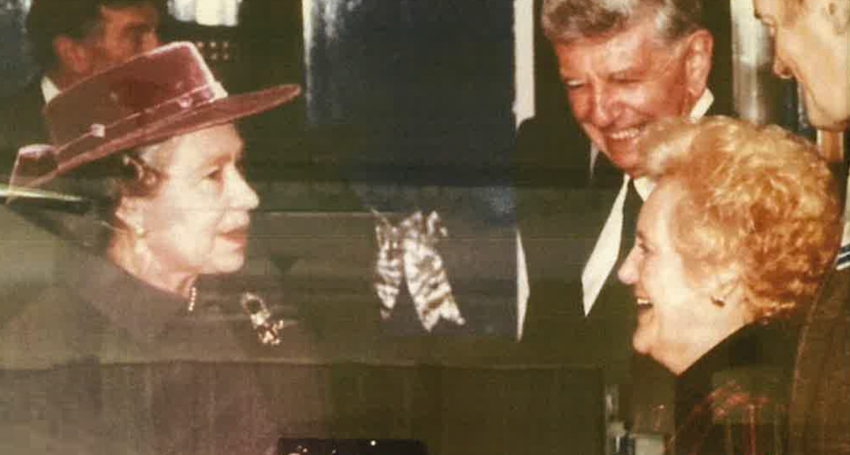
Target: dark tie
605, 174
611, 323
631, 210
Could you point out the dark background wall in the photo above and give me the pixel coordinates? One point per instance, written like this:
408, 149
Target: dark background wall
15, 64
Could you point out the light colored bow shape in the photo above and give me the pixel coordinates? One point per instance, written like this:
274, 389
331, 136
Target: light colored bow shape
408, 250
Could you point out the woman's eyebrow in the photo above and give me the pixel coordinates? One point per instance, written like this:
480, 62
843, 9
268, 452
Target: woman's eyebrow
223, 157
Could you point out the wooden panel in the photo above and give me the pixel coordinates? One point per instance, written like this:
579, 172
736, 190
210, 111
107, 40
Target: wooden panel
205, 407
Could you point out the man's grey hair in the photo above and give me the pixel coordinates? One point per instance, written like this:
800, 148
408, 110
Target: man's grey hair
565, 21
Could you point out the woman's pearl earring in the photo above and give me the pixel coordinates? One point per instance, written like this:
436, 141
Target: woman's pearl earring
139, 234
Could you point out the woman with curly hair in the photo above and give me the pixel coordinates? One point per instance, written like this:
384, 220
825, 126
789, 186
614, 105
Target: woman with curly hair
731, 247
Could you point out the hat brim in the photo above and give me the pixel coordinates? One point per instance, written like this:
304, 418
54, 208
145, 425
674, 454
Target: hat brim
218, 112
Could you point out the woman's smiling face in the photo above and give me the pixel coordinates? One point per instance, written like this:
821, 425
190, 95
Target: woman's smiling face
677, 320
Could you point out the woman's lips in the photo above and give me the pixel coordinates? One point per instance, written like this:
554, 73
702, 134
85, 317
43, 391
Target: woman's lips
238, 235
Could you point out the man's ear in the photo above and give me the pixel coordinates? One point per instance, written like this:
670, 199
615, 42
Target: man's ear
73, 56
838, 13
700, 45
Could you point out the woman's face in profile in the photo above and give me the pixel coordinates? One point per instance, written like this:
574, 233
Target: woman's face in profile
197, 221
677, 321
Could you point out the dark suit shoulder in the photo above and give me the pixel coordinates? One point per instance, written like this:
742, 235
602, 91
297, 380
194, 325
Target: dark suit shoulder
28, 99
21, 121
819, 415
551, 152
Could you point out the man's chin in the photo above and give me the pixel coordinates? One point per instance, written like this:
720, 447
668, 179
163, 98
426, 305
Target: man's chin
625, 159
621, 153
827, 121
835, 126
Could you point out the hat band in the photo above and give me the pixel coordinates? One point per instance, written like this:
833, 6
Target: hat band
33, 168
99, 133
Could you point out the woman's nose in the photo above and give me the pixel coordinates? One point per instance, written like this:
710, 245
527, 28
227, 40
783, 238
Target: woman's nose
243, 197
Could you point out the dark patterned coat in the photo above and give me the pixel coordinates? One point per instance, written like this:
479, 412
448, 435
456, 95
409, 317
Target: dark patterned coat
734, 399
820, 400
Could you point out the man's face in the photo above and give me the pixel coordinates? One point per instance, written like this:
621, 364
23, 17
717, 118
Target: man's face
618, 84
809, 48
123, 32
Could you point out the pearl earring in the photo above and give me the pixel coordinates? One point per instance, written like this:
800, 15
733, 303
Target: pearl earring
139, 234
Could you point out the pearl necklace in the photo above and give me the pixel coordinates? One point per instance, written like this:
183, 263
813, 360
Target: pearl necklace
193, 295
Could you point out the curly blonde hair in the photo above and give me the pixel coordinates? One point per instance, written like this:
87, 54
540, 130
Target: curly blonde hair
757, 198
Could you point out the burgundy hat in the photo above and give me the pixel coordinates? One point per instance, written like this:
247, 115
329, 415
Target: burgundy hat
162, 93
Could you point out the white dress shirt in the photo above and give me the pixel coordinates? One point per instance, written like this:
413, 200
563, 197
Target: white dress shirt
843, 259
48, 89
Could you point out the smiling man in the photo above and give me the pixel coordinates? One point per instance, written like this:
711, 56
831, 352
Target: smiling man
624, 64
812, 45
620, 81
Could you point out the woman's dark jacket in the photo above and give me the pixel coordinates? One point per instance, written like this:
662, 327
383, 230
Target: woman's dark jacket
100, 362
734, 399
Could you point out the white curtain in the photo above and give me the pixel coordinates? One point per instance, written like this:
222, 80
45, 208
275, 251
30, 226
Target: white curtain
206, 12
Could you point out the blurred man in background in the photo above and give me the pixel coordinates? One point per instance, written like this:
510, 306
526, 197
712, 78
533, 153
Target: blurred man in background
812, 45
71, 40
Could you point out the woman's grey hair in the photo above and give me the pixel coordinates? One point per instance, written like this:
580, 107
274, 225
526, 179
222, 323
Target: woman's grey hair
141, 176
565, 21
103, 183
131, 173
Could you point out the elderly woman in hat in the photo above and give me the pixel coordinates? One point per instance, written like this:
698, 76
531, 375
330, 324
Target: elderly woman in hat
153, 140
731, 248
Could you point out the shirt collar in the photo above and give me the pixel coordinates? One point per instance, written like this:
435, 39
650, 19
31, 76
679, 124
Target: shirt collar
48, 89
702, 105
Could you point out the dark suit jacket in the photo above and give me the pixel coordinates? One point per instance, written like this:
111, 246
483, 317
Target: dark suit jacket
559, 221
561, 212
819, 415
21, 123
